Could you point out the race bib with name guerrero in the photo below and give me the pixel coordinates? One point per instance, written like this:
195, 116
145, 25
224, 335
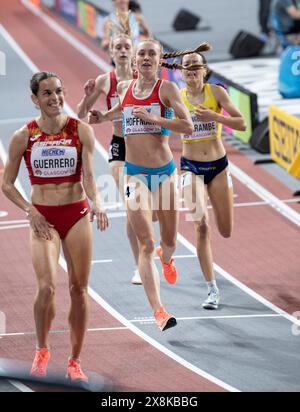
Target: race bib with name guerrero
202, 129
55, 161
134, 125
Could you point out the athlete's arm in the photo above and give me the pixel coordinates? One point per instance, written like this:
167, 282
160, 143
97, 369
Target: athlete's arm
235, 120
182, 123
16, 150
87, 138
95, 116
92, 90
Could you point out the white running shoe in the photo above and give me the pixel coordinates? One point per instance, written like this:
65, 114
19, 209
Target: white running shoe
213, 299
136, 279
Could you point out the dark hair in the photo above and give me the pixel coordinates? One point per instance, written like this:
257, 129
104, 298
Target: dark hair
38, 77
202, 47
208, 70
134, 6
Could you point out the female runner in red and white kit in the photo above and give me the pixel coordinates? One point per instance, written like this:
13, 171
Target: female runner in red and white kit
150, 170
56, 150
106, 84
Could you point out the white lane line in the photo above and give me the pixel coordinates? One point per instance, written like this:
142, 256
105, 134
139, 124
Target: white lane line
179, 257
13, 222
13, 227
86, 51
254, 186
112, 205
98, 298
19, 385
115, 215
101, 261
17, 120
53, 332
240, 285
261, 203
264, 194
266, 315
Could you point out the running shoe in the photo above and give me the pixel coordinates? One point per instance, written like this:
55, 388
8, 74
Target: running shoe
164, 320
74, 372
169, 269
40, 363
136, 279
213, 299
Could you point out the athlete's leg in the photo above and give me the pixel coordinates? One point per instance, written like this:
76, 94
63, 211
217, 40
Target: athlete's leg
77, 247
220, 192
139, 212
168, 215
195, 199
45, 255
118, 175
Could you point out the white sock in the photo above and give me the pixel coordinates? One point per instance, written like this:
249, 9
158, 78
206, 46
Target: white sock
39, 349
211, 285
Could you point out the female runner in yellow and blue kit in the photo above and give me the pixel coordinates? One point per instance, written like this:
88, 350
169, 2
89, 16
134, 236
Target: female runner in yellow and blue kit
204, 163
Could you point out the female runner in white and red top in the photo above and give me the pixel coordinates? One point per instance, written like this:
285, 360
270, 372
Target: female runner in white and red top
146, 105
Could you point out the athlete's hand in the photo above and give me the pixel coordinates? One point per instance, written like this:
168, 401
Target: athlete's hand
89, 87
101, 216
94, 116
205, 114
38, 223
141, 113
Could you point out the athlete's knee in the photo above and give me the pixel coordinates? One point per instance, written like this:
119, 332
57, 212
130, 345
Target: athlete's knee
147, 246
46, 292
203, 228
77, 290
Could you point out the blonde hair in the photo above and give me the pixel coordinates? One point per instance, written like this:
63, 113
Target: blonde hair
201, 48
117, 36
151, 40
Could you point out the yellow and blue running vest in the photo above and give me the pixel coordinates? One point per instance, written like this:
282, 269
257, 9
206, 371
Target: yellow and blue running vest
203, 131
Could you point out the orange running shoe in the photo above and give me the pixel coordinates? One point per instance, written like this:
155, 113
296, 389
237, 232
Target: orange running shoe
169, 269
40, 363
164, 320
74, 372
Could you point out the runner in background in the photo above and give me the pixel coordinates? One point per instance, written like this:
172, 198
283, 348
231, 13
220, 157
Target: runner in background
124, 20
106, 84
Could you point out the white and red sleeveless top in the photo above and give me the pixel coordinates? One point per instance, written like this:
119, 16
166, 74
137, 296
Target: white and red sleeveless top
54, 158
112, 97
152, 103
